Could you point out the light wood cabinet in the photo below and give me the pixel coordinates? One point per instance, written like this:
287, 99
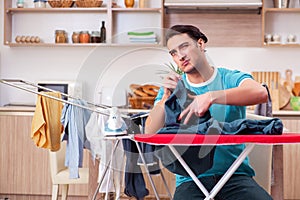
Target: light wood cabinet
24, 168
291, 154
43, 22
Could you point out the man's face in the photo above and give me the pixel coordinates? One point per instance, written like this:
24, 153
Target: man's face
185, 52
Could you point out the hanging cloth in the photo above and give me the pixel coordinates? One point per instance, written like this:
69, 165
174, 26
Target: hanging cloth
46, 128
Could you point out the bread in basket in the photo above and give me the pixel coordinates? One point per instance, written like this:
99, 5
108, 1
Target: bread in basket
143, 96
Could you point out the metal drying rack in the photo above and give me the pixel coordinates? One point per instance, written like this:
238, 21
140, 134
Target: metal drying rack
15, 83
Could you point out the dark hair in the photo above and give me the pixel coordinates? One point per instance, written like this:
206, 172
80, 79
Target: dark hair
192, 31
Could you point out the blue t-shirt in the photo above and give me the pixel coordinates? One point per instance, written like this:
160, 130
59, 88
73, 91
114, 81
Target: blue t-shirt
225, 155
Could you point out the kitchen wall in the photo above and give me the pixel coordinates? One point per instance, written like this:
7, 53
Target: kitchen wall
89, 64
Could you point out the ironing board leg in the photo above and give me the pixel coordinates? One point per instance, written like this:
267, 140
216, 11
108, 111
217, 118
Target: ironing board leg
225, 177
166, 185
147, 170
231, 170
188, 170
105, 170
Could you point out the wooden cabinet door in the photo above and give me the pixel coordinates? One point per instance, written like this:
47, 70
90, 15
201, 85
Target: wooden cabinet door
291, 163
24, 168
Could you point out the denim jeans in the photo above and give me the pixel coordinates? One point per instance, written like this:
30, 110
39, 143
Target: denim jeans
238, 187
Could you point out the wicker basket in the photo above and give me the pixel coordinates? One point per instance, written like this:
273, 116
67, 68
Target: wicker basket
88, 3
61, 3
141, 102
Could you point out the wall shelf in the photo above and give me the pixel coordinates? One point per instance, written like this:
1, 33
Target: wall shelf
50, 10
282, 22
13, 44
43, 22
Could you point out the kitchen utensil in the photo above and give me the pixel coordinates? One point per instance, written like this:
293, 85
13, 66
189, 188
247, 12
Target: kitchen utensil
289, 84
284, 97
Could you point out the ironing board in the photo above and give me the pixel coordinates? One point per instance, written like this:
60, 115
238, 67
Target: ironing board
172, 140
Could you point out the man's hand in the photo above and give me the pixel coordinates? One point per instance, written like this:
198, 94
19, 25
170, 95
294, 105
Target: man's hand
198, 107
171, 81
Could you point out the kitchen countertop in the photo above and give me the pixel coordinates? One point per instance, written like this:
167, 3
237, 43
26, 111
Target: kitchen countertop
32, 109
17, 109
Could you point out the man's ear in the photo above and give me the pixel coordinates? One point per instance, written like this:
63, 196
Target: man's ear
201, 43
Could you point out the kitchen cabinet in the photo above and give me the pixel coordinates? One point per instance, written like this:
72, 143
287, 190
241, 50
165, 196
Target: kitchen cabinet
281, 22
291, 153
25, 167
43, 22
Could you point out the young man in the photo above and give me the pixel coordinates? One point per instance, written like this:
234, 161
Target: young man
225, 94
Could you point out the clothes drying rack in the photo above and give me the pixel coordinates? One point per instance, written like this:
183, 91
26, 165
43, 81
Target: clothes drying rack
20, 84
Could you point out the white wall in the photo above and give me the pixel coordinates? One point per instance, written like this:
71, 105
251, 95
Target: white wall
86, 64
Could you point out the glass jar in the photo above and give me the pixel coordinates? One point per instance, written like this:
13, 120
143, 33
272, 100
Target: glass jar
75, 37
40, 3
84, 37
60, 36
129, 3
142, 4
95, 37
20, 4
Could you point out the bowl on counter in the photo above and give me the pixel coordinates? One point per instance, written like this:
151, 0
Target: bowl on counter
295, 103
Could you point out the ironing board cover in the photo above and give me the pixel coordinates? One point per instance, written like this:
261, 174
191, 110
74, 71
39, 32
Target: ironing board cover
198, 139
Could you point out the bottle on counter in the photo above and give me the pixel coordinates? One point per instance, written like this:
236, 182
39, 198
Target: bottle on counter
103, 32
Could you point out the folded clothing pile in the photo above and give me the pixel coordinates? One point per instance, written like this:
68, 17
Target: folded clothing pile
142, 37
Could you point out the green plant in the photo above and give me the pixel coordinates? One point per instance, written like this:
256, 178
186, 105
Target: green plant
174, 68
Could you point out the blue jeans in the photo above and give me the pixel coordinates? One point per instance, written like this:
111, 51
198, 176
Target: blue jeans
238, 187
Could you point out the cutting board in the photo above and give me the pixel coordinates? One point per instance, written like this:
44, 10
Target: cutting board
279, 94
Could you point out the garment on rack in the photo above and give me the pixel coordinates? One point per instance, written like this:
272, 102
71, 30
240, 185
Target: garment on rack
74, 120
203, 125
46, 128
134, 180
102, 148
264, 109
148, 150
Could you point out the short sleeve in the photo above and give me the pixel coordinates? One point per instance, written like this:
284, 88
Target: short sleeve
235, 78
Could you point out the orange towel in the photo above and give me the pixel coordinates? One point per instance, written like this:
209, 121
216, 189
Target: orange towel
46, 128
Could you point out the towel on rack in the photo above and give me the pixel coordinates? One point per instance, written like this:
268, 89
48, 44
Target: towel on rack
102, 148
46, 128
74, 120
